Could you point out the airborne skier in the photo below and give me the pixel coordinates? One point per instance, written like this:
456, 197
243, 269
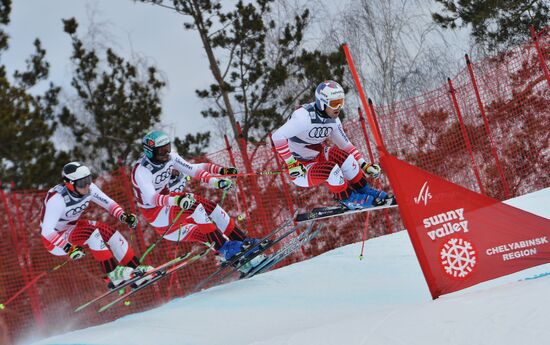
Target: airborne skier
301, 144
64, 233
158, 179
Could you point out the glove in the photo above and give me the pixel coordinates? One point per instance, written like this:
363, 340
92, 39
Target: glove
224, 184
185, 201
372, 170
229, 171
75, 252
295, 168
130, 219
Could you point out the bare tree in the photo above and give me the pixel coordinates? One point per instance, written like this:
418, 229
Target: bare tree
397, 49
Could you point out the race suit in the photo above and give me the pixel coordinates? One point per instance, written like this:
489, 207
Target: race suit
61, 227
303, 138
156, 187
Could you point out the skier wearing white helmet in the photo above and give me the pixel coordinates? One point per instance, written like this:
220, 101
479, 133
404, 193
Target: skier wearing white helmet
65, 233
158, 180
301, 144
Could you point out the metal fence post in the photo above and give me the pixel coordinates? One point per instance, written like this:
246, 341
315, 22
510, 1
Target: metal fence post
465, 135
487, 127
541, 56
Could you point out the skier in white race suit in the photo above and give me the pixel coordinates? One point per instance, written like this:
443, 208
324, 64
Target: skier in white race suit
158, 180
300, 142
64, 233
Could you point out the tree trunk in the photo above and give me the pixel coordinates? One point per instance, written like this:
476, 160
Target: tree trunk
197, 16
214, 66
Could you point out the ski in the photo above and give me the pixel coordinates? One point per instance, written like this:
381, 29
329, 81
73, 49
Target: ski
129, 282
246, 260
229, 265
222, 276
288, 248
333, 211
161, 274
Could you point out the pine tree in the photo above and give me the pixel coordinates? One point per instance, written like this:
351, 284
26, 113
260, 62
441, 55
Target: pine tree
27, 155
496, 25
119, 102
193, 145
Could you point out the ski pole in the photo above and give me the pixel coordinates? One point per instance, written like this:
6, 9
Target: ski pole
254, 173
161, 236
223, 196
32, 282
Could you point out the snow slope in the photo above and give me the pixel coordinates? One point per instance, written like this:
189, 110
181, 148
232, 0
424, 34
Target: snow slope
336, 298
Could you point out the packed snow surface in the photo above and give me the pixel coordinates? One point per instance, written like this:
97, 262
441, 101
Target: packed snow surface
336, 298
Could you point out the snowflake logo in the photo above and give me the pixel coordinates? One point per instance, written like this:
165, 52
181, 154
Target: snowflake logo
458, 257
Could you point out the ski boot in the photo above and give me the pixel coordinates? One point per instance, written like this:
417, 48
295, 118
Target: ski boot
118, 276
251, 242
375, 193
139, 271
380, 197
232, 248
357, 201
388, 199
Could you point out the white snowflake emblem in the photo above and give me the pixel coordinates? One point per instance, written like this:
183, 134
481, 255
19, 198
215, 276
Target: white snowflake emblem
458, 257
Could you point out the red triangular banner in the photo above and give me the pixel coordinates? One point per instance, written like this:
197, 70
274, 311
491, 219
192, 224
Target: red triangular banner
463, 238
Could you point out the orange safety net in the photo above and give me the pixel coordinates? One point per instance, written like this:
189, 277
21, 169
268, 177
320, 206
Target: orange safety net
491, 138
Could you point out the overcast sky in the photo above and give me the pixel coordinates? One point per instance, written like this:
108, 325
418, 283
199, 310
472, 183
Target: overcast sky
150, 31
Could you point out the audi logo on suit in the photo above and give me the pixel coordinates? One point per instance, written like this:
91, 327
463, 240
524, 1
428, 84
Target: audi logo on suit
74, 211
320, 132
162, 176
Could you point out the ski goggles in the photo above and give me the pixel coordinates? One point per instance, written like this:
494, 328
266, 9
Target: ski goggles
162, 151
336, 103
83, 182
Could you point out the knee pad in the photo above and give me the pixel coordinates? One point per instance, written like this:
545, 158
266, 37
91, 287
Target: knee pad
221, 219
119, 246
200, 216
350, 168
336, 176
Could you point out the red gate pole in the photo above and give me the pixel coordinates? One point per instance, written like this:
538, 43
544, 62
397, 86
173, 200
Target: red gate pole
371, 157
239, 184
25, 254
487, 127
363, 98
373, 113
539, 52
465, 135
286, 189
24, 274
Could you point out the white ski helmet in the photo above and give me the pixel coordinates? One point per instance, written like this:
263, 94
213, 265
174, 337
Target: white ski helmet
75, 174
329, 93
